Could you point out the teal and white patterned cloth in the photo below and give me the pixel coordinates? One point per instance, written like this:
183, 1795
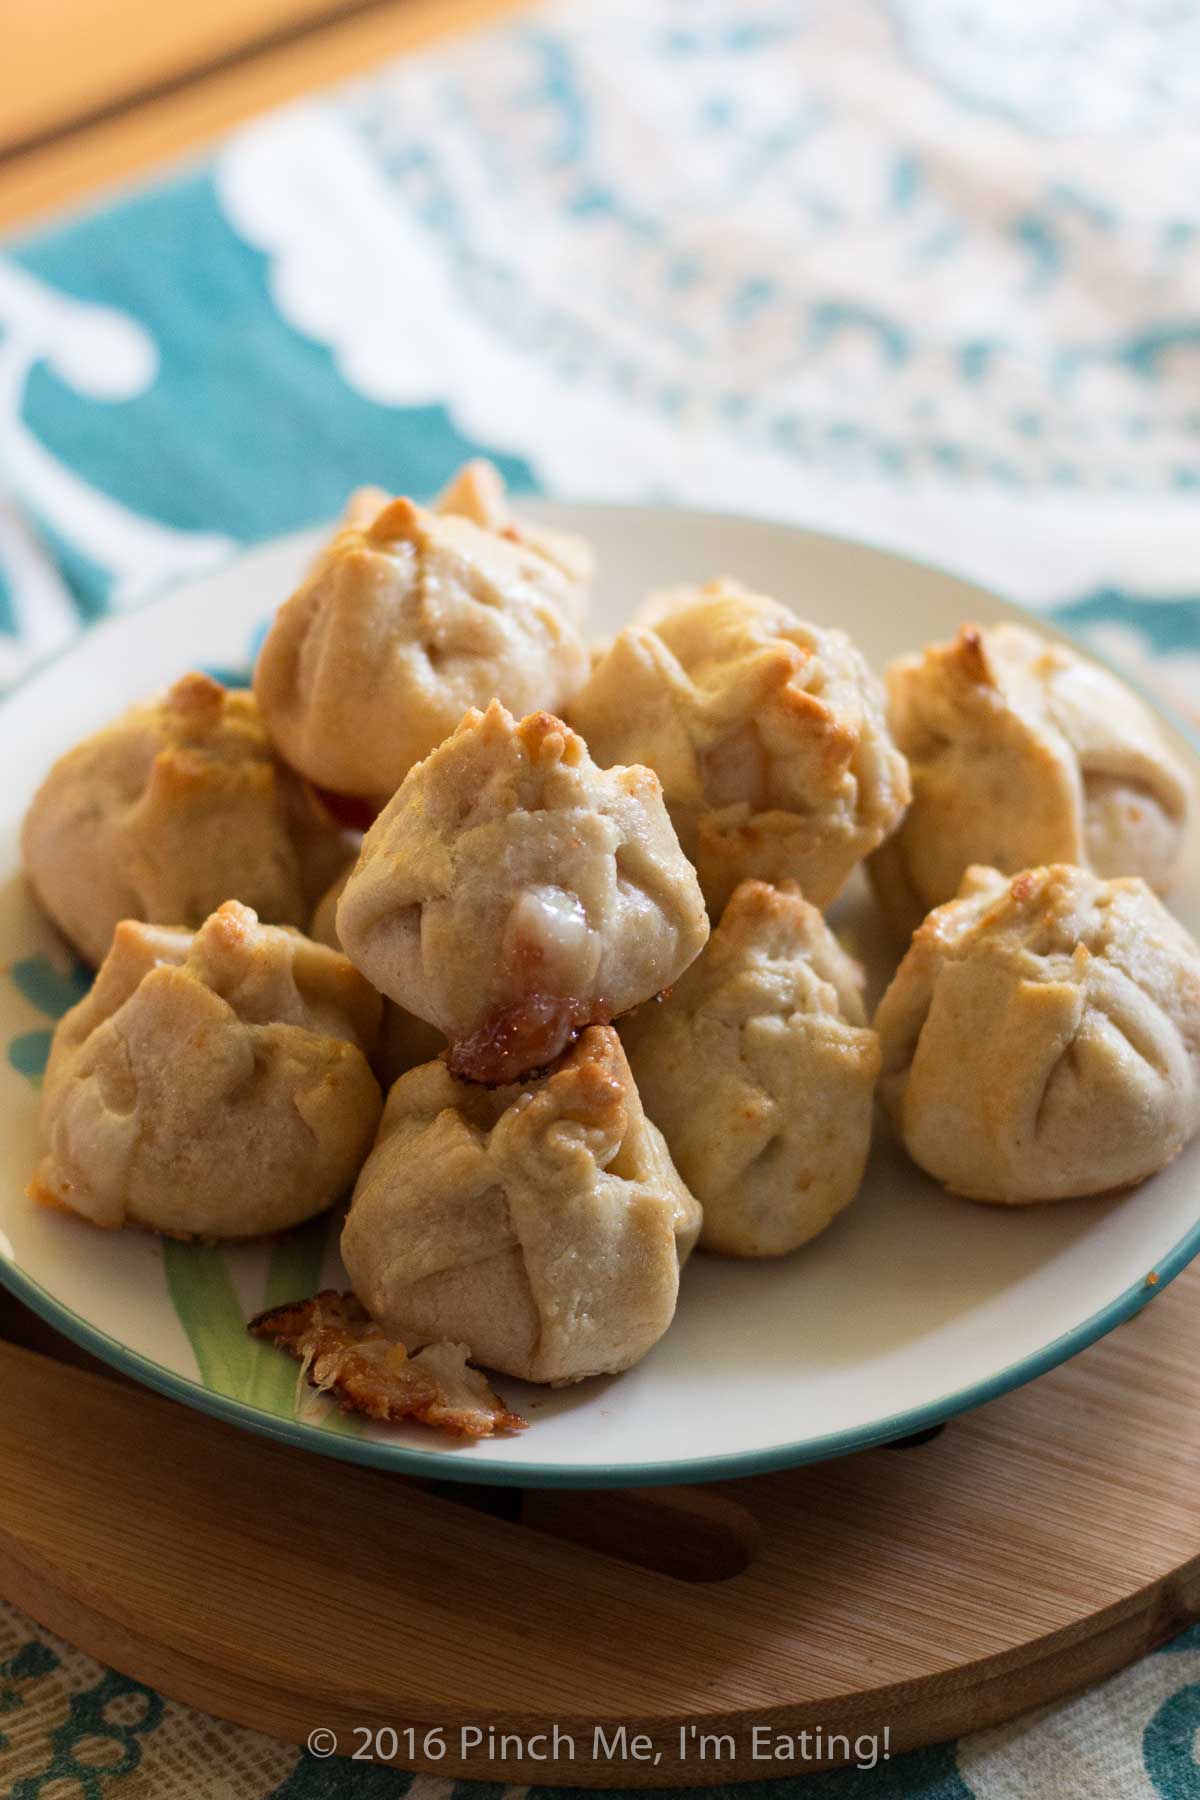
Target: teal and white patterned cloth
919, 271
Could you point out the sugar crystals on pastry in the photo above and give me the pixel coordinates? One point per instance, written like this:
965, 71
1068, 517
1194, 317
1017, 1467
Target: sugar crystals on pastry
512, 892
768, 736
759, 1068
1023, 752
406, 620
211, 1085
165, 813
1041, 1038
541, 1224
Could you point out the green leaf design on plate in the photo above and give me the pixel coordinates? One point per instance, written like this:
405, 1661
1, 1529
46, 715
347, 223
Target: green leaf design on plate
52, 990
29, 1053
231, 1361
294, 1273
208, 1308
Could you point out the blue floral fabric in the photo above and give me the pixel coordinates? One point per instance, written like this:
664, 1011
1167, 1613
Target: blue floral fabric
918, 272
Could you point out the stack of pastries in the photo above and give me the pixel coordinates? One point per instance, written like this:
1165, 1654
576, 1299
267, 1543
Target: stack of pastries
571, 1005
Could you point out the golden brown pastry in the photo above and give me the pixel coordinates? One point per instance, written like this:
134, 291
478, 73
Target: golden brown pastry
163, 814
759, 1068
362, 506
213, 1085
1041, 1038
1023, 753
767, 734
542, 1224
478, 493
512, 892
405, 621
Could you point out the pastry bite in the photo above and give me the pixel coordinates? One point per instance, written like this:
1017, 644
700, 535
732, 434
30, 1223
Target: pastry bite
212, 1084
1041, 1038
512, 893
1023, 753
759, 1069
363, 505
768, 736
478, 493
406, 620
403, 1040
542, 1224
169, 810
342, 1352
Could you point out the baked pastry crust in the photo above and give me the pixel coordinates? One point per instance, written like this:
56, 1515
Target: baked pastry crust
1023, 753
768, 736
1041, 1037
170, 809
542, 1224
512, 892
478, 493
211, 1085
759, 1068
406, 620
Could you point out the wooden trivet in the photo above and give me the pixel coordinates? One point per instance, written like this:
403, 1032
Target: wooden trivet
1028, 1548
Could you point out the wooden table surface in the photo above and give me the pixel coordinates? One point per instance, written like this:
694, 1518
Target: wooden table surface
97, 92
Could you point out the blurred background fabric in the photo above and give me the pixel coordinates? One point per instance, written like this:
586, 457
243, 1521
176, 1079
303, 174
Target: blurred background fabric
925, 272
928, 273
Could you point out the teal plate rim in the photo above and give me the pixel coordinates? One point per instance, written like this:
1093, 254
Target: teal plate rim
456, 1464
453, 1464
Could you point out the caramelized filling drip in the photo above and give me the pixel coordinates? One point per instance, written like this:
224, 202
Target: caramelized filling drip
349, 810
522, 1039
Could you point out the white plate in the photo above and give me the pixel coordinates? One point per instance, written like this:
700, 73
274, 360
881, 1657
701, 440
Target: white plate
913, 1306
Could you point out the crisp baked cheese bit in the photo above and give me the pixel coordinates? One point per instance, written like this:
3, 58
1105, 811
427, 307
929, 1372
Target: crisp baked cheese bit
342, 1352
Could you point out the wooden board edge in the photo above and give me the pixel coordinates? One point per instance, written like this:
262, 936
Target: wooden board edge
901, 1718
